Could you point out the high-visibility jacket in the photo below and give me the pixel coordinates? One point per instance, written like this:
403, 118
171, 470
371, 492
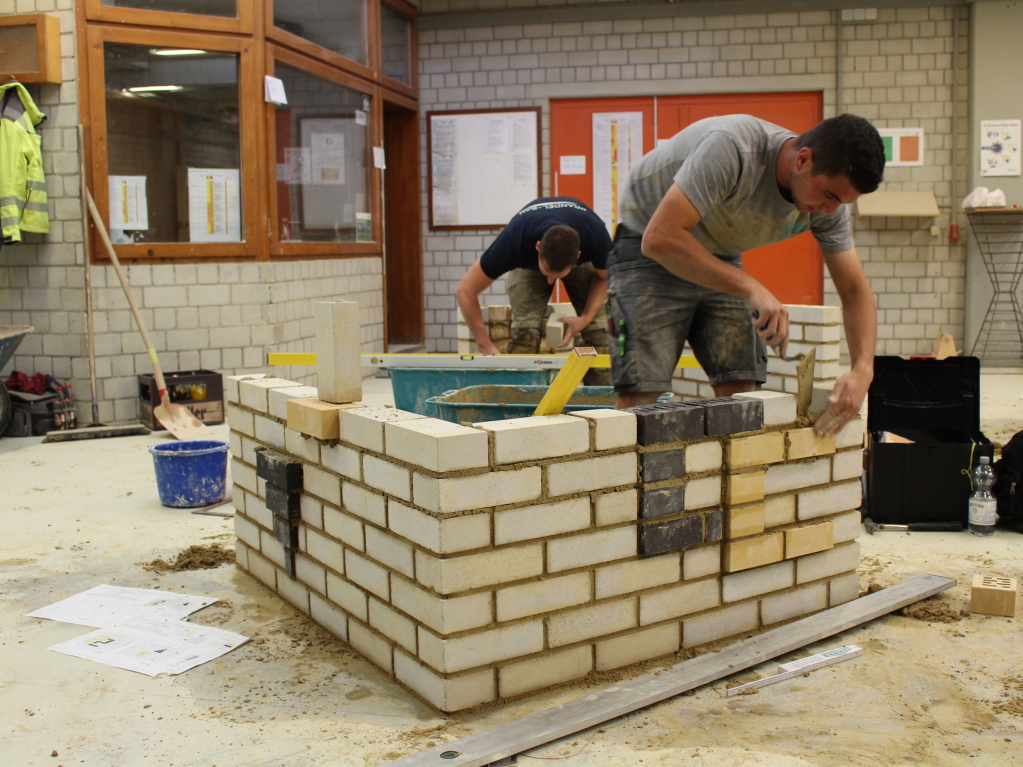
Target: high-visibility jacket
23, 204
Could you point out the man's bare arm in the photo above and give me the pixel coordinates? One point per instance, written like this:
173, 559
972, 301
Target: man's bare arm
467, 294
595, 298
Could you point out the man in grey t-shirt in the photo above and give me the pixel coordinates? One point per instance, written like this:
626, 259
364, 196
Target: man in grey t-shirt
722, 186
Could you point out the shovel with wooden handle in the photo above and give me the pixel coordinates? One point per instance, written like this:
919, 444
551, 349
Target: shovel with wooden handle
177, 419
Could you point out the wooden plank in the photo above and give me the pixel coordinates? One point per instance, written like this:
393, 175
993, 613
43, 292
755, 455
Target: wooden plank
563, 386
596, 708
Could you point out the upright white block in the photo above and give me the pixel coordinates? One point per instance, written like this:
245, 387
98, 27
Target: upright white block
338, 360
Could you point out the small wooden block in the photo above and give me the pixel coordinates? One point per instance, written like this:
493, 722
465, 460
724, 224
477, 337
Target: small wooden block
992, 595
316, 418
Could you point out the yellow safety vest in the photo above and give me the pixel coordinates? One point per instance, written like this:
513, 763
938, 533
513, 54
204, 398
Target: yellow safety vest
23, 203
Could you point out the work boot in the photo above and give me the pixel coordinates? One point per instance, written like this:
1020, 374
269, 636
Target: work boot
524, 341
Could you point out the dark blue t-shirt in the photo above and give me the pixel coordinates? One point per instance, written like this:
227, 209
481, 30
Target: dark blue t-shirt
515, 246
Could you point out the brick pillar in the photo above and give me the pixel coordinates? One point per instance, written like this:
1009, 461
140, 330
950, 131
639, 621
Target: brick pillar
338, 350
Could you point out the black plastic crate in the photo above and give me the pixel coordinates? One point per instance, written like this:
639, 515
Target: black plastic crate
201, 391
936, 405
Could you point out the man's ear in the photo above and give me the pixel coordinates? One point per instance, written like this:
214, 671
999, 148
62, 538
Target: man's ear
804, 159
537, 246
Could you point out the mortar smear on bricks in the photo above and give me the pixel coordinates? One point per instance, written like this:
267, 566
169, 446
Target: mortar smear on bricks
478, 563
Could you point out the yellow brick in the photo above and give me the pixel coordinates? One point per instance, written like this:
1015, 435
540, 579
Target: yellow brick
744, 488
744, 520
809, 540
315, 418
804, 443
755, 451
754, 552
991, 595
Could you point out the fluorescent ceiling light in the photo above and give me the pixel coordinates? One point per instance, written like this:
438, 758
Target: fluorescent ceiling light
153, 88
175, 51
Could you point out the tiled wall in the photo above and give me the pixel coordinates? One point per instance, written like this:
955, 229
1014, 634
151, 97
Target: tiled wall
896, 72
483, 562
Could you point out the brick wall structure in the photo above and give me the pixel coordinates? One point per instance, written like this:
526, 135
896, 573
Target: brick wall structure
482, 562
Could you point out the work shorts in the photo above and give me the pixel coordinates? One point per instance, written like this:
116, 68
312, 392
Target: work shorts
654, 313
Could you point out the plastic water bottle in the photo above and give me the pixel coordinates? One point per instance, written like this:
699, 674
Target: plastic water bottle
983, 506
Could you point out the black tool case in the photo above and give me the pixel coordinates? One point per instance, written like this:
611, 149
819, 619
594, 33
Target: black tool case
936, 404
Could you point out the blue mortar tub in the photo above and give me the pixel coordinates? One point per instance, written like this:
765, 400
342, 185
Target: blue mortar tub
414, 387
190, 473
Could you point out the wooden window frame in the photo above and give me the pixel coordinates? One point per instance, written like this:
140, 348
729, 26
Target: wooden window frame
316, 68
407, 10
241, 24
248, 118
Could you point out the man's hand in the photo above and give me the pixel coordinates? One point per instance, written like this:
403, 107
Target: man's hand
846, 399
573, 327
770, 319
487, 347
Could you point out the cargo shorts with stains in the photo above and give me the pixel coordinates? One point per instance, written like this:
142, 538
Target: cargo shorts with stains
653, 313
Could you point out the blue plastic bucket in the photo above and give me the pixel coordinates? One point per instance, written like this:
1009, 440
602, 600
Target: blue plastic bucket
190, 473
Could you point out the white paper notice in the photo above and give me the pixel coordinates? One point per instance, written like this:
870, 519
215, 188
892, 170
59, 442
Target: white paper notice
273, 90
152, 646
573, 165
617, 147
128, 206
999, 147
297, 165
107, 605
214, 205
524, 170
360, 117
442, 160
379, 161
496, 135
328, 158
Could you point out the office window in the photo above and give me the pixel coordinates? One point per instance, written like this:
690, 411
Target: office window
395, 44
337, 25
203, 7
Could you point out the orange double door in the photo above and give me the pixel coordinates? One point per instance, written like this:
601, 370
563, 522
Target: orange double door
793, 269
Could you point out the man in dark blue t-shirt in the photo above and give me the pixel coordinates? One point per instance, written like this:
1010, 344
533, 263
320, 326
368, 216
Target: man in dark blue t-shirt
551, 238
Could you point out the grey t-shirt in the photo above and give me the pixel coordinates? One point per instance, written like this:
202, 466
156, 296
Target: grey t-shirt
726, 167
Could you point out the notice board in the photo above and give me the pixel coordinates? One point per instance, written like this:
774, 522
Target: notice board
484, 165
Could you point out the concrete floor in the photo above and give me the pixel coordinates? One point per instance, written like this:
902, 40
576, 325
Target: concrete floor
76, 515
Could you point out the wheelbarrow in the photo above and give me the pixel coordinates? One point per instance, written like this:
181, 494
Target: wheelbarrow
10, 337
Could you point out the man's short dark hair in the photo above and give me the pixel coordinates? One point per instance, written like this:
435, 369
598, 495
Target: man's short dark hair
559, 247
847, 145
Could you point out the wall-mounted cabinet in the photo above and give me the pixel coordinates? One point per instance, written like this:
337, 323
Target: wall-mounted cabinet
30, 48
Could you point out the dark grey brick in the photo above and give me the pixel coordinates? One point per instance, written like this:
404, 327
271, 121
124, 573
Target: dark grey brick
715, 522
725, 415
282, 503
676, 534
664, 464
663, 422
662, 502
289, 561
286, 532
282, 471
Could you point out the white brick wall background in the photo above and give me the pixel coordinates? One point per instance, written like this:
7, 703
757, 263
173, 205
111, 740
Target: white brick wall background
897, 72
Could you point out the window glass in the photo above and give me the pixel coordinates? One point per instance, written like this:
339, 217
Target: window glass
323, 161
337, 25
395, 41
204, 7
173, 145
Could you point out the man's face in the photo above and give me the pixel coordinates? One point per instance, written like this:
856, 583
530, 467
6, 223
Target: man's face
818, 193
551, 276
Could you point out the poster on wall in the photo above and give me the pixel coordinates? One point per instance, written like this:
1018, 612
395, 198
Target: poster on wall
617, 147
999, 147
902, 146
214, 205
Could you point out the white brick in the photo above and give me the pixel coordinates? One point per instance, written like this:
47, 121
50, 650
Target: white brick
847, 527
252, 392
342, 460
367, 574
779, 510
364, 503
365, 426
639, 646
538, 437
321, 484
242, 421
389, 550
338, 349
246, 532
611, 508
444, 615
793, 605
271, 548
471, 571
478, 491
446, 694
294, 592
350, 598
311, 573
701, 493
437, 445
395, 627
591, 548
257, 511
844, 589
592, 474
588, 622
527, 522
846, 465
278, 399
519, 678
371, 645
641, 574
703, 456
388, 477
794, 476
235, 441
328, 616
442, 536
678, 600
481, 649
851, 434
263, 570
270, 432
611, 428
705, 560
241, 555
543, 596
832, 562
806, 314
760, 580
779, 408
829, 500
324, 550
312, 511
231, 393
302, 446
720, 624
